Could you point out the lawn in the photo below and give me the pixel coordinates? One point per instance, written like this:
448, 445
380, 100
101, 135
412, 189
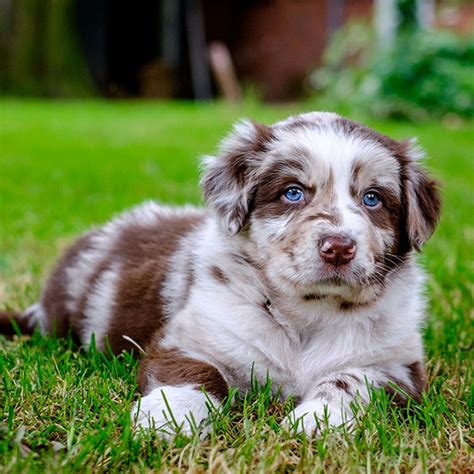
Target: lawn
67, 165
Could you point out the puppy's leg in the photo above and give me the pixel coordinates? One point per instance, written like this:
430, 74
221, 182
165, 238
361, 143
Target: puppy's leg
178, 392
330, 399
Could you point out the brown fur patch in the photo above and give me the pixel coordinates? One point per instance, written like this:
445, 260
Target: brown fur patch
219, 275
342, 385
347, 305
417, 376
312, 297
233, 171
7, 328
54, 298
356, 171
264, 135
423, 205
330, 217
397, 397
284, 166
171, 367
351, 305
144, 253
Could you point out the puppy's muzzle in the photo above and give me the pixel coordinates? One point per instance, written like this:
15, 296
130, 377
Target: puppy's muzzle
337, 250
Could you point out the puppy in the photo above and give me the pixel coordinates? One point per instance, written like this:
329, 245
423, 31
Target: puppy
301, 267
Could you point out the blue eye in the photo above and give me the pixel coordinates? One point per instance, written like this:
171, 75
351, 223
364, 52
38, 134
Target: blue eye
371, 199
294, 194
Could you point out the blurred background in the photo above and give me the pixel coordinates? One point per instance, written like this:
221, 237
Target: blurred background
409, 58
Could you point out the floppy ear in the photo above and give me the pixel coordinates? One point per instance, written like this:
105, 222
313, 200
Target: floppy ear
422, 198
229, 179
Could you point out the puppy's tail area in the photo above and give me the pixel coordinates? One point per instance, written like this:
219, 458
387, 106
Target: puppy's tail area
14, 322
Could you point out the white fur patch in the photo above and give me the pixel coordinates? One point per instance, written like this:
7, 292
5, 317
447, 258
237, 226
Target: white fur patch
172, 409
36, 317
99, 306
309, 416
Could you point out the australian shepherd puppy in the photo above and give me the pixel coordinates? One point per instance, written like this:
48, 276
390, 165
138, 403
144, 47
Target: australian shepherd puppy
301, 268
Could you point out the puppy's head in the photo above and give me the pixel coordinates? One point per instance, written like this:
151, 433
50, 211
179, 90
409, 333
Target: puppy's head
328, 206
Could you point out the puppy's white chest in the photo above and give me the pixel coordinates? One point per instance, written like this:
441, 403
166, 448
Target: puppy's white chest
263, 344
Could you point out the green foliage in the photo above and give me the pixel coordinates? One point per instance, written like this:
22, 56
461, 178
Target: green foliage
407, 15
40, 53
65, 166
425, 74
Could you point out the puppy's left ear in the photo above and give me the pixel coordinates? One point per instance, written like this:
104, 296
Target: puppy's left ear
229, 179
422, 197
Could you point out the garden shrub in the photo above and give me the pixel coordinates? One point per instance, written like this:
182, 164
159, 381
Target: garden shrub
424, 74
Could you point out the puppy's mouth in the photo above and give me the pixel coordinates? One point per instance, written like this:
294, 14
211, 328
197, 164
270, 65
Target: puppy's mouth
340, 275
345, 284
334, 280
351, 282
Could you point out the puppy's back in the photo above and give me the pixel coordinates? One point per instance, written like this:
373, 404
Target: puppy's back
109, 282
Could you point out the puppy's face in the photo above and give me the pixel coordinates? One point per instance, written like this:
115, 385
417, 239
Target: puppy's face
330, 207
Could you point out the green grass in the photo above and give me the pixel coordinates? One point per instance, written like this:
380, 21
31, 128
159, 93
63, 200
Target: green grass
66, 166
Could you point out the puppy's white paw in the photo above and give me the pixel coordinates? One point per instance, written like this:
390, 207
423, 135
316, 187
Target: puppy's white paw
171, 409
309, 416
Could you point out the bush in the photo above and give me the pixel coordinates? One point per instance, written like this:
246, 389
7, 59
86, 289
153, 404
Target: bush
425, 74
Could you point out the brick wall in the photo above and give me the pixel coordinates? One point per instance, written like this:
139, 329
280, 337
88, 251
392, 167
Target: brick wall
279, 42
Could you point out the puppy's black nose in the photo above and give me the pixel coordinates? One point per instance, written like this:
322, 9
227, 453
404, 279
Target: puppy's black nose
337, 250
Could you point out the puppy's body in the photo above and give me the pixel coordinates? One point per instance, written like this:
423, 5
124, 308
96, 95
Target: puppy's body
251, 286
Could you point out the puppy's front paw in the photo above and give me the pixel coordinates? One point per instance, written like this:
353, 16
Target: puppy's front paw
310, 416
172, 410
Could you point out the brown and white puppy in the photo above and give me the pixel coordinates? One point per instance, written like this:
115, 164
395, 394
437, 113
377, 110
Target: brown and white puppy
302, 268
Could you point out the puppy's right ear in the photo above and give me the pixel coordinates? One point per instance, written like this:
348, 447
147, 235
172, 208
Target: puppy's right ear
422, 196
229, 179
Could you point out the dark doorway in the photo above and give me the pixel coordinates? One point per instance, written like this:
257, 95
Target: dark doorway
133, 42
145, 48
122, 43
